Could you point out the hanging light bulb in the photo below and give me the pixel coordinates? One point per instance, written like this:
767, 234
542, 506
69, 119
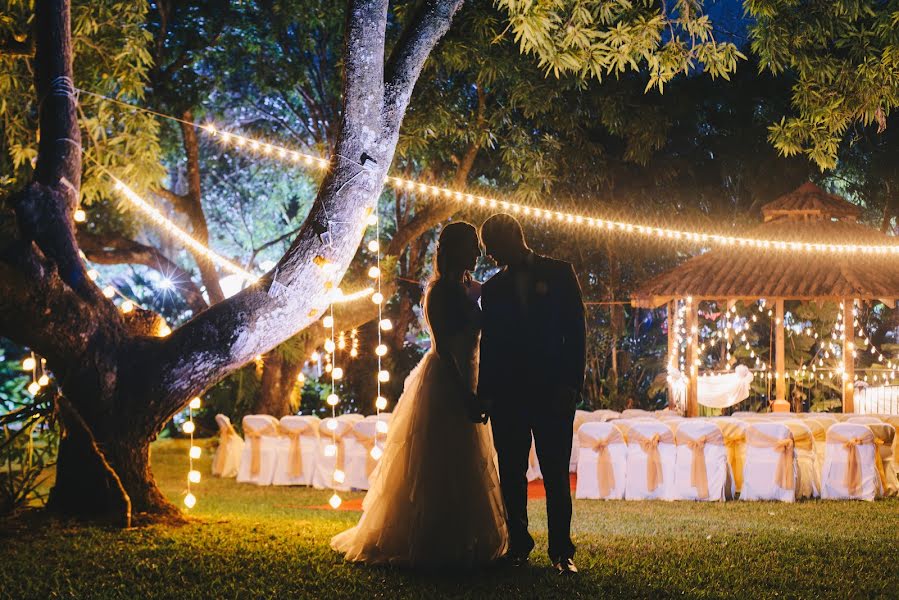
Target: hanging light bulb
333, 400
328, 321
381, 403
331, 450
330, 346
44, 380
337, 373
374, 246
381, 426
127, 306
374, 272
195, 403
377, 297
193, 476
80, 216
188, 427
385, 325
335, 501
190, 500
376, 452
195, 452
29, 363
381, 349
383, 376
301, 379
33, 388
315, 357
109, 291
339, 476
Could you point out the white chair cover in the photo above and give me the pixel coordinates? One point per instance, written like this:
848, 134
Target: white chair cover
769, 472
631, 413
260, 453
384, 416
734, 432
605, 414
580, 417
332, 434
884, 438
352, 417
601, 480
865, 420
533, 472
651, 456
701, 469
808, 477
360, 463
226, 460
850, 470
297, 451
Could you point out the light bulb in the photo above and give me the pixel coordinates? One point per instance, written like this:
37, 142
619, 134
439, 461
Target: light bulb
383, 376
331, 450
381, 350
195, 403
333, 400
188, 427
33, 388
301, 378
193, 476
195, 452
315, 356
44, 380
109, 291
373, 246
354, 353
339, 476
335, 501
127, 306
381, 426
80, 216
330, 346
29, 363
377, 453
331, 425
386, 325
372, 219
381, 403
337, 373
92, 274
377, 297
190, 500
328, 321
374, 272
329, 368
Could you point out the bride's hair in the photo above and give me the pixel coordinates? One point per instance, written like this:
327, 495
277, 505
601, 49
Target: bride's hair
452, 249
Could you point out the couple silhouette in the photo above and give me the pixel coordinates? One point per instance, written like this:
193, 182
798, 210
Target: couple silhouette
511, 353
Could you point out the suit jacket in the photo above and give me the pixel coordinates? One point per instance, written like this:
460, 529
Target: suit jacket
533, 336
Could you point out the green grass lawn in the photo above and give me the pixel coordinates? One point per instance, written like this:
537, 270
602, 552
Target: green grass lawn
249, 542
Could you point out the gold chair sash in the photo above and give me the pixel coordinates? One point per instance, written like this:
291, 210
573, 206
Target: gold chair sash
605, 473
784, 475
255, 437
650, 446
734, 442
367, 442
295, 453
853, 478
226, 435
803, 439
699, 477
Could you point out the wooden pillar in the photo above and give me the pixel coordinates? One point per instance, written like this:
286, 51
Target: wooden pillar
673, 347
692, 327
848, 359
780, 382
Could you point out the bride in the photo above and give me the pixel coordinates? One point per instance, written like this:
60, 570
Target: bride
435, 499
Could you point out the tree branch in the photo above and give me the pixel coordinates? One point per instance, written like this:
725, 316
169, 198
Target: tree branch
113, 250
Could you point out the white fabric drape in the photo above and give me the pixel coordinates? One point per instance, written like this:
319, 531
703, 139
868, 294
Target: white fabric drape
715, 391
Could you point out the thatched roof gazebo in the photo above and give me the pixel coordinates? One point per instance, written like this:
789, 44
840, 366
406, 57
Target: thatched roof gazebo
808, 215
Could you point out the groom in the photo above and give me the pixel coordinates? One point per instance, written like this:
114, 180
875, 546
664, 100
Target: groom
531, 375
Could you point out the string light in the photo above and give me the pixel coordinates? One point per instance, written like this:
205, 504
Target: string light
193, 475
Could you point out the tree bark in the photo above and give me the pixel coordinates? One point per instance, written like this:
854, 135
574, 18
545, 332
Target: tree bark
123, 385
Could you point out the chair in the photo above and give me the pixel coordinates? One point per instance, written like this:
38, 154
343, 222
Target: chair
701, 471
894, 421
651, 456
850, 470
884, 438
630, 413
769, 472
819, 434
226, 460
351, 417
580, 417
864, 420
605, 414
260, 453
602, 462
330, 471
808, 477
734, 433
360, 454
533, 472
297, 451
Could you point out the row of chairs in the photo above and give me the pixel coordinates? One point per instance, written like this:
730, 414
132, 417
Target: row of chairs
336, 452
785, 459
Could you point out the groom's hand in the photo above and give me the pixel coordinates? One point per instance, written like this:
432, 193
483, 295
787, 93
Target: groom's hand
476, 411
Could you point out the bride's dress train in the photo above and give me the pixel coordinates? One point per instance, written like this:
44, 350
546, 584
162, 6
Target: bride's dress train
435, 498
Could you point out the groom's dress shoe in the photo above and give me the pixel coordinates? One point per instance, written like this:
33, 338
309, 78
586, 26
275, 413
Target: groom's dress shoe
565, 567
514, 560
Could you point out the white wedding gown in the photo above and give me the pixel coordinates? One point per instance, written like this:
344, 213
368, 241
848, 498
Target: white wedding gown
434, 499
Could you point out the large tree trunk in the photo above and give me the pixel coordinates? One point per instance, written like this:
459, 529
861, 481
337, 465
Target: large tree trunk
121, 383
278, 394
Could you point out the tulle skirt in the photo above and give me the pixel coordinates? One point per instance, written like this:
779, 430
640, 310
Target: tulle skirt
434, 499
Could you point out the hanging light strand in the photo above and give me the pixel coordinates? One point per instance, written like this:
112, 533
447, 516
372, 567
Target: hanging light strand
193, 475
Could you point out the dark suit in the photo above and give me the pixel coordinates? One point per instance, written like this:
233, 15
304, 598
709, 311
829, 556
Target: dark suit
532, 371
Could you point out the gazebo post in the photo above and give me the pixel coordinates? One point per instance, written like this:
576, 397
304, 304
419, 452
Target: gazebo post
780, 382
673, 346
848, 359
692, 355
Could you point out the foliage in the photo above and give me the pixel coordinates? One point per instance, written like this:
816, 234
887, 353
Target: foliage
110, 58
844, 54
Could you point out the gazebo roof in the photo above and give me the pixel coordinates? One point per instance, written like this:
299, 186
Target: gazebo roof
808, 200
738, 272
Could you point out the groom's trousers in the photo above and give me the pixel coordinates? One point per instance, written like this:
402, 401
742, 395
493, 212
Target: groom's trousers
551, 420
